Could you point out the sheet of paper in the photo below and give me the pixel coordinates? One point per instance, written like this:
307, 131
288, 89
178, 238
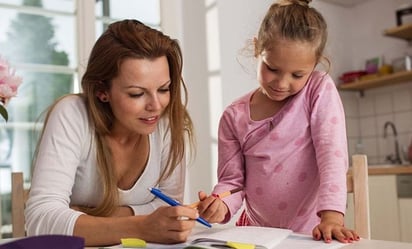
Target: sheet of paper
265, 236
307, 242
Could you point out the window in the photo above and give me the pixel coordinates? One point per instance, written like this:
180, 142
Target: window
41, 40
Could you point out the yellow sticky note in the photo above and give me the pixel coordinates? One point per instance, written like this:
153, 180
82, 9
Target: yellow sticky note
133, 242
238, 245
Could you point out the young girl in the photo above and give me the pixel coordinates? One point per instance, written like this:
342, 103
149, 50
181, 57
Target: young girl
285, 142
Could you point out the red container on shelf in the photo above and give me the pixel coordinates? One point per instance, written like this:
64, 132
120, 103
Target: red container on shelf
351, 76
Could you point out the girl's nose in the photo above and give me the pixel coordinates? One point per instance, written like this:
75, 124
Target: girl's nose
281, 82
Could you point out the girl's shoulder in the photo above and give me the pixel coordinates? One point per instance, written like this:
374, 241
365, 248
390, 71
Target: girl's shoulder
319, 81
241, 101
321, 76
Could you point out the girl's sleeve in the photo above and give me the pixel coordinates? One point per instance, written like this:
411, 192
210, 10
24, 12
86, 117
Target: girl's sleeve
47, 209
230, 163
330, 141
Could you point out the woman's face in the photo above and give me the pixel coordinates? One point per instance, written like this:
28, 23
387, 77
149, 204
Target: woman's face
284, 70
140, 94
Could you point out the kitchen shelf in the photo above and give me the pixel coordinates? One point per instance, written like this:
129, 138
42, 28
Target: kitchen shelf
385, 80
402, 32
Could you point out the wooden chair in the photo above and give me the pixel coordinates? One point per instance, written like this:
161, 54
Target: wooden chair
357, 184
19, 196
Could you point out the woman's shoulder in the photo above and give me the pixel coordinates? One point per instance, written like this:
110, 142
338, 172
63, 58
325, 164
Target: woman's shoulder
70, 103
71, 107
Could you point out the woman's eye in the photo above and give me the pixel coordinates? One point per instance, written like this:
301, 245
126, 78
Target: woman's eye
164, 90
136, 95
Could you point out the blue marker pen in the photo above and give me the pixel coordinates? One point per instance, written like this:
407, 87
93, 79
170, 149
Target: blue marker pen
156, 192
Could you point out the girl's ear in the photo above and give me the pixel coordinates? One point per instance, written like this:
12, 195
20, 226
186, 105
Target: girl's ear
102, 96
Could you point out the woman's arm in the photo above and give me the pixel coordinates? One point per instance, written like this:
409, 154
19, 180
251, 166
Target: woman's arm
161, 226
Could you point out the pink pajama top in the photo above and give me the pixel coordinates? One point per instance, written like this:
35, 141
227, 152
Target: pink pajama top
292, 165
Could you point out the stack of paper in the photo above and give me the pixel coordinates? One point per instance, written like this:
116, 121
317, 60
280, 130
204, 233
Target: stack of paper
242, 237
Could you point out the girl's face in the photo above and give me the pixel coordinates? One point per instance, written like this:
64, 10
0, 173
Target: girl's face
283, 70
140, 94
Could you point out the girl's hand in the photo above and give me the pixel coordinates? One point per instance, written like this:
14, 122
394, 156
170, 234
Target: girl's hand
169, 224
331, 226
211, 208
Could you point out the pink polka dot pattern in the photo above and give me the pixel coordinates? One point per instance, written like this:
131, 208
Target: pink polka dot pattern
299, 141
302, 212
274, 136
278, 168
334, 120
339, 154
302, 176
282, 205
259, 191
226, 149
334, 188
329, 87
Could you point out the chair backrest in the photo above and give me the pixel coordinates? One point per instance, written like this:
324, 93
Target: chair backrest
357, 183
19, 196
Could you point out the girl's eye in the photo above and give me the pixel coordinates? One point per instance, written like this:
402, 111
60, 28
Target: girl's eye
271, 69
296, 76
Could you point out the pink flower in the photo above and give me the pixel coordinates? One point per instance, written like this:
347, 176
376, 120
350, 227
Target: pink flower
9, 83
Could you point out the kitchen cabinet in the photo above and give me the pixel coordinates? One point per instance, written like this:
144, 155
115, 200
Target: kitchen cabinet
390, 215
405, 211
402, 32
384, 208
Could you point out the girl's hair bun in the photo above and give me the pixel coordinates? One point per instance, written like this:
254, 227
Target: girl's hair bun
299, 2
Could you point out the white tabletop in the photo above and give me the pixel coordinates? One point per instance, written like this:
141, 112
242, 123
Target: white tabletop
306, 242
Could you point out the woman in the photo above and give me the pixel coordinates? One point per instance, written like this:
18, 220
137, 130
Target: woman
102, 149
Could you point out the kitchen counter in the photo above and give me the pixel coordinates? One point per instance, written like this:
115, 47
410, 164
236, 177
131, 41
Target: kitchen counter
388, 169
401, 175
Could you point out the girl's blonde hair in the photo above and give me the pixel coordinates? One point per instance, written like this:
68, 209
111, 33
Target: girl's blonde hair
292, 20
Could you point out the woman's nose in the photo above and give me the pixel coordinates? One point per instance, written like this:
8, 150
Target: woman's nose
153, 103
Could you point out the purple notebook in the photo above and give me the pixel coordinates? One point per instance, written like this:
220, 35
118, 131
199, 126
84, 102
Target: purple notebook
45, 242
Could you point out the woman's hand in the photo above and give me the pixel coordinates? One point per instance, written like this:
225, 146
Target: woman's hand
331, 226
169, 225
166, 225
211, 208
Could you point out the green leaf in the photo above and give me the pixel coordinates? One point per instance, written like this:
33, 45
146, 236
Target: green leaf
4, 113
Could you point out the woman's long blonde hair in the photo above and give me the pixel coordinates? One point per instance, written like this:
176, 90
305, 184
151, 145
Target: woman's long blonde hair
122, 40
